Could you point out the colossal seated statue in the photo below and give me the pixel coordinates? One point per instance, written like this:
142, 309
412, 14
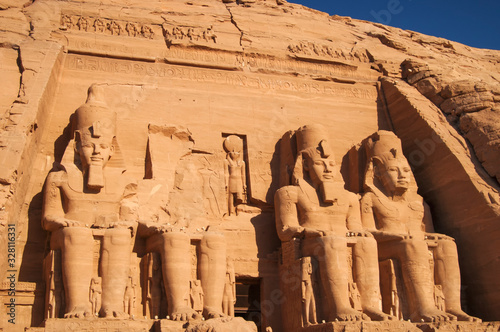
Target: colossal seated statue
401, 223
172, 236
88, 199
326, 218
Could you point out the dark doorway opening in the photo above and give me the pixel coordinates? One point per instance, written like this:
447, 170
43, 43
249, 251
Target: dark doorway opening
248, 301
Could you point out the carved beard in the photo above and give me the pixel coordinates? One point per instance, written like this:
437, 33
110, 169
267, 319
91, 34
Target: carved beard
95, 178
328, 191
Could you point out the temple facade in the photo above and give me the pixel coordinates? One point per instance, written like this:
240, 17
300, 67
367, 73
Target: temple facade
219, 165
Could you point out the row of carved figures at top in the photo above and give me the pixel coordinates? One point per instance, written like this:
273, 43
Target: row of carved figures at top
193, 34
311, 48
134, 29
90, 196
101, 25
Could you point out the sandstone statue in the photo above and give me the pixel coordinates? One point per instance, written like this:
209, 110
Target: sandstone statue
318, 210
401, 223
308, 299
235, 173
229, 299
174, 246
171, 235
87, 198
196, 296
95, 295
153, 286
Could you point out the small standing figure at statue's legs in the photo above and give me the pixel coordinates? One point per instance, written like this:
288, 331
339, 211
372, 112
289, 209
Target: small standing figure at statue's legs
196, 295
229, 299
308, 300
235, 173
129, 298
95, 295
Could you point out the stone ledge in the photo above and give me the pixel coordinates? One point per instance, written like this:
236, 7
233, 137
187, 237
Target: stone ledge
402, 326
97, 324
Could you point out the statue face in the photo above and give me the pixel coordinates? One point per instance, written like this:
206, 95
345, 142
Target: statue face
95, 151
321, 170
234, 155
395, 175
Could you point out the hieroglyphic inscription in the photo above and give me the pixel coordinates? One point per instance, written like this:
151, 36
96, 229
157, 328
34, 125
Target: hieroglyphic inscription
269, 82
106, 26
254, 62
313, 49
221, 59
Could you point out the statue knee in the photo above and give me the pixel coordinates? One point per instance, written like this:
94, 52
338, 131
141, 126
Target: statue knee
175, 240
414, 248
117, 236
333, 243
72, 236
367, 242
213, 241
447, 248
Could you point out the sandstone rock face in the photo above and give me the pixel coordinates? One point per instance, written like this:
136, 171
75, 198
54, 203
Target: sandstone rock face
207, 96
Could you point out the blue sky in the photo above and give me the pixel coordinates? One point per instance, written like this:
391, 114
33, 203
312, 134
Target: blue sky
474, 22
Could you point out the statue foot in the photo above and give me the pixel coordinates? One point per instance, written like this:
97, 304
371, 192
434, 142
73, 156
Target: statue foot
184, 314
462, 316
431, 315
378, 315
209, 312
350, 315
107, 313
78, 312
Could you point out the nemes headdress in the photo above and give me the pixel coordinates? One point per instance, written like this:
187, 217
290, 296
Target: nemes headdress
313, 138
384, 146
94, 117
311, 141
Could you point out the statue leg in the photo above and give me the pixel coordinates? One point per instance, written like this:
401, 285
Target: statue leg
331, 253
212, 270
230, 203
176, 267
312, 308
115, 265
76, 250
366, 275
414, 259
447, 273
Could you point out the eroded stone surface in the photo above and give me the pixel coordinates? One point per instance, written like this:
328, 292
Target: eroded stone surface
253, 69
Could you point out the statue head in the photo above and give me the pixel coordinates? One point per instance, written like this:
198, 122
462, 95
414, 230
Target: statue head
95, 126
315, 160
390, 167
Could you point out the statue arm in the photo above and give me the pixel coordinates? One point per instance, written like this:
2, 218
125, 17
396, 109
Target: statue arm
427, 224
226, 173
369, 224
244, 176
129, 209
233, 287
353, 215
53, 213
287, 222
